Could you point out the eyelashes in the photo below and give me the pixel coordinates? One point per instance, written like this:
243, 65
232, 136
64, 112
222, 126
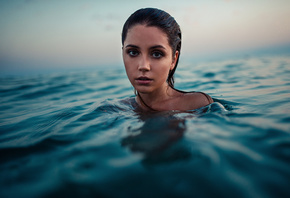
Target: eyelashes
156, 54
133, 53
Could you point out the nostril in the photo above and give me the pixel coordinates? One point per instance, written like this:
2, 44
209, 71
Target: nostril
144, 67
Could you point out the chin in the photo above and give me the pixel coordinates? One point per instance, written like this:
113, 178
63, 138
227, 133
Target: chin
143, 90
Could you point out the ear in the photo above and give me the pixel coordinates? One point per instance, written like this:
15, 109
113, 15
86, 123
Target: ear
174, 60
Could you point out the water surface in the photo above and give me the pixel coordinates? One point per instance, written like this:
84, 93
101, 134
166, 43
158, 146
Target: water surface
79, 134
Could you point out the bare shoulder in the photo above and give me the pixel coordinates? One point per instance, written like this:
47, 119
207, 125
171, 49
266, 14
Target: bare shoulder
196, 100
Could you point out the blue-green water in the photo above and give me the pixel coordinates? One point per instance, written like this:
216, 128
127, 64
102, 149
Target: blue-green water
81, 135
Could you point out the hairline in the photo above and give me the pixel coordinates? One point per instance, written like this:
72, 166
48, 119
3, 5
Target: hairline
146, 24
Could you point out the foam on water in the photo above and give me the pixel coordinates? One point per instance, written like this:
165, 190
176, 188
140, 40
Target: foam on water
82, 135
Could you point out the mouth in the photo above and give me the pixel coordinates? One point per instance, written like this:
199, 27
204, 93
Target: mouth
143, 80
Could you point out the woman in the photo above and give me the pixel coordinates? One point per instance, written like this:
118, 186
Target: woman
151, 42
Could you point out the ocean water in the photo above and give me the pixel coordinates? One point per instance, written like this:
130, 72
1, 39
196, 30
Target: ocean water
80, 134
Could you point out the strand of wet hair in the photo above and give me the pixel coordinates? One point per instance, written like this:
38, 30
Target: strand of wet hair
145, 103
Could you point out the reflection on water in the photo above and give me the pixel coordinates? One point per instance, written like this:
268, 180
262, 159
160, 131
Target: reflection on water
157, 139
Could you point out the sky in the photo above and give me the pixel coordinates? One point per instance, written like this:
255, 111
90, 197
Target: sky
41, 34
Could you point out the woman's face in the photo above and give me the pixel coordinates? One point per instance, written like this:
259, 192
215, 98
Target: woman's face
148, 58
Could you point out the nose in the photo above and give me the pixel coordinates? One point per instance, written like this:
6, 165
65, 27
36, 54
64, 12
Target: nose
144, 64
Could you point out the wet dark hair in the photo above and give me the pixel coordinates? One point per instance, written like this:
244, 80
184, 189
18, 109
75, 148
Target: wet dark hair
160, 19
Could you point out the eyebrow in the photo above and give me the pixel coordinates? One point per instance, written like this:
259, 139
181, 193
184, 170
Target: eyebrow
135, 46
153, 47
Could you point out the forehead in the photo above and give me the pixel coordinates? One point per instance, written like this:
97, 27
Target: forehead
141, 34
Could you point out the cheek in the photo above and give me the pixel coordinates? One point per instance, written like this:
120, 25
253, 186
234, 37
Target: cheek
129, 69
163, 68
127, 64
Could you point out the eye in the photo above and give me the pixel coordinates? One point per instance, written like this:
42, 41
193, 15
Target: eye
133, 53
157, 54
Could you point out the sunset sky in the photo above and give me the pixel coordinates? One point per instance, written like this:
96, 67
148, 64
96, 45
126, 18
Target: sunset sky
36, 34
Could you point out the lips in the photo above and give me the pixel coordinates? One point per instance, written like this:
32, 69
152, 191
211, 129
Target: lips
143, 80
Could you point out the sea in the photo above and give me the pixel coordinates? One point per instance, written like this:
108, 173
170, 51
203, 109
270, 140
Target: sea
81, 134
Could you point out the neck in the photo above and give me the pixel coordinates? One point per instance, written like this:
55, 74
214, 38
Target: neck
154, 100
